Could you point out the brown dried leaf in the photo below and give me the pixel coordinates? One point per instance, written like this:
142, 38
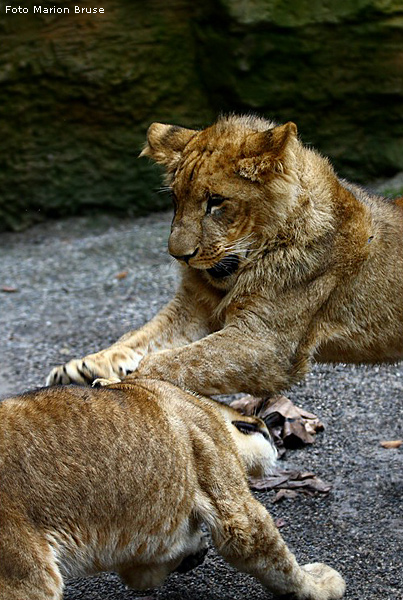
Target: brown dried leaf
8, 289
280, 523
298, 425
312, 426
297, 481
248, 405
281, 405
122, 275
391, 444
285, 495
290, 425
269, 483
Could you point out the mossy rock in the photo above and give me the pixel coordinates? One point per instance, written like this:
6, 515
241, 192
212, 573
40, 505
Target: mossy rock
333, 68
78, 91
77, 95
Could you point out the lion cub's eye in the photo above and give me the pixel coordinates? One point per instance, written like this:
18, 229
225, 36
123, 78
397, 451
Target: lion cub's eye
247, 428
214, 201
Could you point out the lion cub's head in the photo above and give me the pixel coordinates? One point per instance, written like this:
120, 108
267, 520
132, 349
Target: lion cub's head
229, 183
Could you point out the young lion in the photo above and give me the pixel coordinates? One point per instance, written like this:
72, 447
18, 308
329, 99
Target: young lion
121, 478
282, 262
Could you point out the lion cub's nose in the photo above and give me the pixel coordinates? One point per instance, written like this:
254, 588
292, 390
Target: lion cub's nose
185, 257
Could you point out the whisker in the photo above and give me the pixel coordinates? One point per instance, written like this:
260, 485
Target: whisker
243, 242
164, 189
242, 245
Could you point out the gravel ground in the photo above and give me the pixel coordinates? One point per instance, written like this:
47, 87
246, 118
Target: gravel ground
68, 301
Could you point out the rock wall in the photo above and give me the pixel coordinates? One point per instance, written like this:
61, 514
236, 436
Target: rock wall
78, 90
335, 68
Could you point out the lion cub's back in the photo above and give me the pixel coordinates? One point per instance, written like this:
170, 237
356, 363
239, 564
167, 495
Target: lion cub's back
95, 459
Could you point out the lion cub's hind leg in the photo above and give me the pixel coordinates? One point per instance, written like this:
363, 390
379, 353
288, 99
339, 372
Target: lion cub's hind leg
28, 569
186, 554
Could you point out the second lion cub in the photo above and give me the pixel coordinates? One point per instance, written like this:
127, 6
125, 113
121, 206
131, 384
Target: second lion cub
122, 477
282, 263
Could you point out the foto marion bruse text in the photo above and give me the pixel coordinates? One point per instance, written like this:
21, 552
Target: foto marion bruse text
53, 9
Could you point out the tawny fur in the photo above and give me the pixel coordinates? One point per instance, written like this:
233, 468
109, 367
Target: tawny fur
319, 266
121, 478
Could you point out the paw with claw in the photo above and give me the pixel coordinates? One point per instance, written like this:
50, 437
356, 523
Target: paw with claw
114, 363
321, 583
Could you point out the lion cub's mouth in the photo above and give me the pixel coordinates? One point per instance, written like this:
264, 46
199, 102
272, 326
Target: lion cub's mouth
225, 267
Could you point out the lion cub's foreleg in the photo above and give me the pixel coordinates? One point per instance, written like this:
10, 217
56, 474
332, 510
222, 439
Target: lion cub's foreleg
179, 323
246, 537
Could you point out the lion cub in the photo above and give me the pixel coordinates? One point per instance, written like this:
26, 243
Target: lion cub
282, 263
122, 477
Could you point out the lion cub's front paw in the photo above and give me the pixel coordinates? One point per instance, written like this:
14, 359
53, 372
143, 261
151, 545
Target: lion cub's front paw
323, 583
115, 362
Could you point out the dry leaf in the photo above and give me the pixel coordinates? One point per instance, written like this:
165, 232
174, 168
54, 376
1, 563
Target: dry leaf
280, 523
285, 495
289, 483
248, 405
297, 426
391, 443
122, 275
9, 289
289, 425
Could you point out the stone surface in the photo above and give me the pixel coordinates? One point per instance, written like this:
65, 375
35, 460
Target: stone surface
336, 69
77, 94
391, 188
79, 90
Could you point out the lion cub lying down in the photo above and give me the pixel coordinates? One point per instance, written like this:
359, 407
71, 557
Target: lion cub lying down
122, 477
282, 263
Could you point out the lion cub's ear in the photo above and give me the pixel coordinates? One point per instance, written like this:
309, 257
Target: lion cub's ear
165, 144
265, 151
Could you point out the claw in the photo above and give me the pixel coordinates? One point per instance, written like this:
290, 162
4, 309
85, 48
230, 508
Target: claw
101, 382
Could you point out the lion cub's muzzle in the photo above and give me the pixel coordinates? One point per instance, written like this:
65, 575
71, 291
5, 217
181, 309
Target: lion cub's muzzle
185, 257
254, 444
224, 268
